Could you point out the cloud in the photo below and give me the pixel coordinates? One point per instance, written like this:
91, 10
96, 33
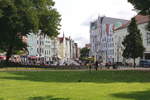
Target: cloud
81, 41
77, 15
89, 19
126, 14
86, 22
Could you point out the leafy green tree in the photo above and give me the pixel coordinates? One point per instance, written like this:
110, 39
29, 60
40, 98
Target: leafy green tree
144, 8
20, 17
133, 42
1, 51
84, 53
142, 5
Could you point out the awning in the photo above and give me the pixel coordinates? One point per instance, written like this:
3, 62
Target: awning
32, 57
59, 57
146, 52
3, 57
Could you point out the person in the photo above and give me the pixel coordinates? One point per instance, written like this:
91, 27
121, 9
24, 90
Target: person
90, 65
114, 66
96, 65
100, 64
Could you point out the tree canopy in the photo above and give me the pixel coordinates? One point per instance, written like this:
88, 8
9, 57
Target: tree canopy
20, 17
142, 5
84, 55
133, 42
84, 52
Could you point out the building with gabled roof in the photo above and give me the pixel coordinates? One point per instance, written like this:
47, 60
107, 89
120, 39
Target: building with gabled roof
121, 32
101, 37
51, 49
68, 49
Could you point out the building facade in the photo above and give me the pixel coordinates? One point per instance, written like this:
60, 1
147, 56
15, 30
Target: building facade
120, 34
102, 38
68, 49
41, 47
47, 49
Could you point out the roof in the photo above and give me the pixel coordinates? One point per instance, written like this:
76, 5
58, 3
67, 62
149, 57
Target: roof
123, 26
61, 39
32, 57
110, 20
107, 21
67, 38
140, 19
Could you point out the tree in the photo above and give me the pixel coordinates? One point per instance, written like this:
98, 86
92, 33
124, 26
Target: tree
1, 51
133, 42
84, 53
142, 6
20, 17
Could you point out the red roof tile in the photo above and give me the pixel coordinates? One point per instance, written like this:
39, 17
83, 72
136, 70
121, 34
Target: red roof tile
140, 19
61, 39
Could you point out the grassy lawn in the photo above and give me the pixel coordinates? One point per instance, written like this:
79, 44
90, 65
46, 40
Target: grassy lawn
75, 85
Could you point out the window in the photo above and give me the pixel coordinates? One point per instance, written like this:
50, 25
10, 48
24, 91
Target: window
37, 50
40, 50
148, 38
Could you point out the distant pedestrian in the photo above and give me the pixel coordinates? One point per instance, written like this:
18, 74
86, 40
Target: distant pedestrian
96, 65
100, 65
114, 66
90, 65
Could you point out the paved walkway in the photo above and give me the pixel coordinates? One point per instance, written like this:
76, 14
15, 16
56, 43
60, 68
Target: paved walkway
43, 69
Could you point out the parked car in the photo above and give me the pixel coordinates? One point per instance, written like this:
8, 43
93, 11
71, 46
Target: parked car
144, 63
119, 64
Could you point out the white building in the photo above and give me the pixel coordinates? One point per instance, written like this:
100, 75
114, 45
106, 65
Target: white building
101, 38
45, 49
68, 49
121, 32
41, 47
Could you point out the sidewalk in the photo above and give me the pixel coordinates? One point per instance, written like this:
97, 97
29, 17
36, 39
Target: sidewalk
52, 69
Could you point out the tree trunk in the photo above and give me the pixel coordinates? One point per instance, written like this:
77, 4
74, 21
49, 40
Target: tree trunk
10, 47
8, 54
134, 62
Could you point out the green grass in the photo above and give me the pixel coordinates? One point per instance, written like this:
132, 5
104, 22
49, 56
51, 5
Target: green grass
75, 85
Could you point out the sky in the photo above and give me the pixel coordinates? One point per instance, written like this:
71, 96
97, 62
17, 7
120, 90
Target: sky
77, 14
